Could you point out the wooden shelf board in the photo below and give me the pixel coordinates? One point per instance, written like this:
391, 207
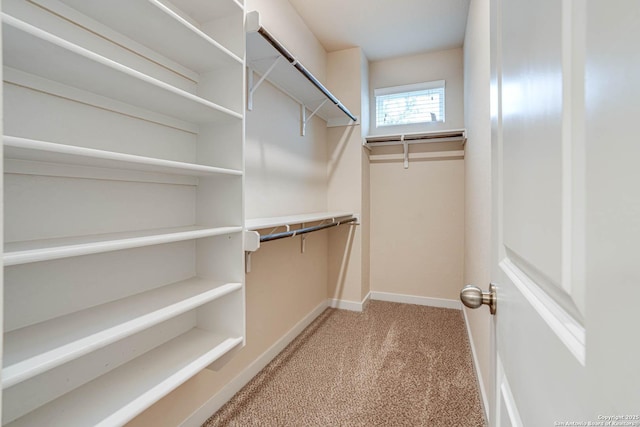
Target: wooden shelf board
49, 249
32, 50
42, 151
120, 395
34, 349
261, 223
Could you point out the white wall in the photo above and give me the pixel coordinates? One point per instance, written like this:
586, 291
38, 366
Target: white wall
417, 228
285, 173
440, 65
417, 214
477, 265
349, 250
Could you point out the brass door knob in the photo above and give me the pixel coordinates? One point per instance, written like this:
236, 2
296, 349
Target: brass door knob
473, 297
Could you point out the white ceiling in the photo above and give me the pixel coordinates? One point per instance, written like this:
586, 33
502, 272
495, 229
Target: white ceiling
386, 28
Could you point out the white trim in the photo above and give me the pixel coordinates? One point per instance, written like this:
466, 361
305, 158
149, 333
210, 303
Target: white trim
476, 363
200, 415
391, 90
566, 328
343, 304
412, 299
509, 402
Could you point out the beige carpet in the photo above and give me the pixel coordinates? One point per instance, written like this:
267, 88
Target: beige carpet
391, 365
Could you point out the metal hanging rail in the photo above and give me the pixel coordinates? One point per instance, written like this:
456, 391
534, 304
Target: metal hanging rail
292, 233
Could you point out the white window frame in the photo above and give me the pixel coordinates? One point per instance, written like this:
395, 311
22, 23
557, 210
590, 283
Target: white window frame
416, 87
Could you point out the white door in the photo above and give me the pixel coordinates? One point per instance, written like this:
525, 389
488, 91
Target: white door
566, 183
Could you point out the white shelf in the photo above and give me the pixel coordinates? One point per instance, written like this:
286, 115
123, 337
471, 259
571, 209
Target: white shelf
261, 223
49, 249
42, 151
37, 52
416, 138
454, 154
117, 397
179, 40
204, 11
35, 349
261, 55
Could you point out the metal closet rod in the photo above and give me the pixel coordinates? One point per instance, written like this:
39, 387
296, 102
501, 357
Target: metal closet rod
291, 233
292, 60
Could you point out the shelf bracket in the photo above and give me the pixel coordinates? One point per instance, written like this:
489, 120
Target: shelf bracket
253, 87
405, 148
304, 119
302, 240
247, 262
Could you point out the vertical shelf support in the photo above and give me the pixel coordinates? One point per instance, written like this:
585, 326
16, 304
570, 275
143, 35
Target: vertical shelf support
253, 87
304, 119
302, 240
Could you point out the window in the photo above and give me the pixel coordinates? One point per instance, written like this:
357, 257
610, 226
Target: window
408, 104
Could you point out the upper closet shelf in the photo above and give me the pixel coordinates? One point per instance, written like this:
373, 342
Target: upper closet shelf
407, 139
34, 51
416, 138
270, 59
180, 39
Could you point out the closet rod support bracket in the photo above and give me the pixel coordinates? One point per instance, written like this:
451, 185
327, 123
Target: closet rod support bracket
253, 87
304, 119
405, 148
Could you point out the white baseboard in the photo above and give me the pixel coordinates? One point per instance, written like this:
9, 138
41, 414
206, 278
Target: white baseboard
197, 418
348, 305
476, 364
412, 299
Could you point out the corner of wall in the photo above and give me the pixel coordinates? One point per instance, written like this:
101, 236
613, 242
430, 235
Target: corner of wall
348, 181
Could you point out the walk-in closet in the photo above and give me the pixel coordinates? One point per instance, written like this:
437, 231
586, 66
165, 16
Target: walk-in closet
265, 212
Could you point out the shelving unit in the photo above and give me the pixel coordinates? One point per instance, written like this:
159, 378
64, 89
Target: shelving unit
123, 189
270, 59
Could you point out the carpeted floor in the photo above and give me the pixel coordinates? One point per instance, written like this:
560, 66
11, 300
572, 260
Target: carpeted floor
391, 365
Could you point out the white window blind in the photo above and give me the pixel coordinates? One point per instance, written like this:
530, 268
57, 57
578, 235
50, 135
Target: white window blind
416, 103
